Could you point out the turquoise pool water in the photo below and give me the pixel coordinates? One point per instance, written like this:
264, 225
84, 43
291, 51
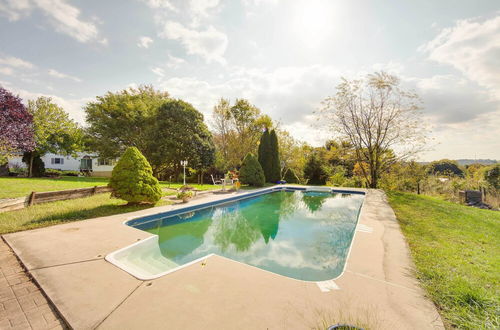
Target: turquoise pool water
300, 234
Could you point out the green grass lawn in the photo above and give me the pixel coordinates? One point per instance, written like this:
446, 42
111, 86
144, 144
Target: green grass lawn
18, 187
456, 250
48, 214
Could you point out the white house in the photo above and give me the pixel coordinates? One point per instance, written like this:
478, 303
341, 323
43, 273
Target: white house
90, 162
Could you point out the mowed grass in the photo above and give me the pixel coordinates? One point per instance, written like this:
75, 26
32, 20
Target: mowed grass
19, 187
48, 214
456, 250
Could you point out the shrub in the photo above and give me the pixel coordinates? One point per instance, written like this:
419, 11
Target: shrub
492, 176
38, 169
339, 178
185, 195
17, 170
52, 173
71, 173
314, 170
290, 176
132, 179
251, 172
445, 167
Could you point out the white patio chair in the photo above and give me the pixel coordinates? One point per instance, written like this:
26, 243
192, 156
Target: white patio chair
216, 182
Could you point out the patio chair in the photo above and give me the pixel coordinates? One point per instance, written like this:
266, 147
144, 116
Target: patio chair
216, 182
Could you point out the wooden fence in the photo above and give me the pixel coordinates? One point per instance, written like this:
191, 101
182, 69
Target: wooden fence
50, 196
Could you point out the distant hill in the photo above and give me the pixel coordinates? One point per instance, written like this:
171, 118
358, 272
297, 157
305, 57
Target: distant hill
464, 162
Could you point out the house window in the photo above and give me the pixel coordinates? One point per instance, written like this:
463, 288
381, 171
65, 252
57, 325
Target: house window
105, 162
57, 161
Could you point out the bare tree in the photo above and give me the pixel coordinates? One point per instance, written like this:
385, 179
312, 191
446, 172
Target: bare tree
381, 120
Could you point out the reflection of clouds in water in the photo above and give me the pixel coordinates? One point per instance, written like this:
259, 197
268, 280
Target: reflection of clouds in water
282, 234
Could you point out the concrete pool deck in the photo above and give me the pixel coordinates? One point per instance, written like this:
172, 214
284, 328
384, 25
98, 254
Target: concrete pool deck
378, 288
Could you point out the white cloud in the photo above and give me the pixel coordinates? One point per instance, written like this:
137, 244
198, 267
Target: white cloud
15, 9
174, 62
210, 44
452, 99
144, 42
63, 16
287, 94
161, 4
158, 71
472, 47
201, 7
6, 71
58, 74
15, 62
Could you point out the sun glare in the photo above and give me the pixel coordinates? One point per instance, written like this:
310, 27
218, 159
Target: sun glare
313, 20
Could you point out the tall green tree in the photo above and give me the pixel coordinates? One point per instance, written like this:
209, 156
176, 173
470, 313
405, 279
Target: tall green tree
123, 119
264, 153
275, 168
54, 131
179, 133
165, 130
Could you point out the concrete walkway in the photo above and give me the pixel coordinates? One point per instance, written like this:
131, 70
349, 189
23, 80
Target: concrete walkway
22, 305
377, 290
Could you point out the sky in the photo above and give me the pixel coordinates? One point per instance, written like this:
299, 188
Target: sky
284, 56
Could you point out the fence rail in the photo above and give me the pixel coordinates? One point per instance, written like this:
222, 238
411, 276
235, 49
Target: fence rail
50, 196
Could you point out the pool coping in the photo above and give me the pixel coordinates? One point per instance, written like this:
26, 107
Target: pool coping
112, 257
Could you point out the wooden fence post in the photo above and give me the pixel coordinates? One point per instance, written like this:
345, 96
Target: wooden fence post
32, 198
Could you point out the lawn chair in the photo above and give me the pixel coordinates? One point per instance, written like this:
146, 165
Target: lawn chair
216, 182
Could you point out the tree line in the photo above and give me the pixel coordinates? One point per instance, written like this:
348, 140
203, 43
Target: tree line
376, 124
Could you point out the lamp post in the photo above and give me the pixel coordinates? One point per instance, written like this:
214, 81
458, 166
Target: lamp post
184, 164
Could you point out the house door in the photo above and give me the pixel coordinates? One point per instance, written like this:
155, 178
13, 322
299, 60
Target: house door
86, 164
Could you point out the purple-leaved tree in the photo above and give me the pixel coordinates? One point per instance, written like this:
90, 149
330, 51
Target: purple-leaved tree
16, 126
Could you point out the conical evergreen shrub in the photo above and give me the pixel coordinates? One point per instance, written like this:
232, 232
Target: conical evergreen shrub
264, 154
132, 179
290, 176
251, 172
275, 167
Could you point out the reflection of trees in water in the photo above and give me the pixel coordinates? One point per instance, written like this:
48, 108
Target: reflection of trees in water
239, 226
290, 202
314, 200
185, 234
231, 227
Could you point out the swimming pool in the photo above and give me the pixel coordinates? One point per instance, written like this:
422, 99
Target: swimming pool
302, 234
